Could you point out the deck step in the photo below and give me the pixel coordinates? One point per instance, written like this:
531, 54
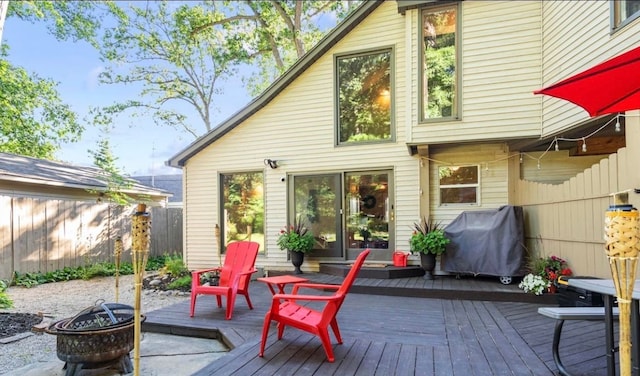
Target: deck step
376, 272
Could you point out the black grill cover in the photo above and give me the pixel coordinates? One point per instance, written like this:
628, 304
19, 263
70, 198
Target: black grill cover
489, 242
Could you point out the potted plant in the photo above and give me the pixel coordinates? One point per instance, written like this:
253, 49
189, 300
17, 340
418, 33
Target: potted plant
296, 239
429, 241
549, 269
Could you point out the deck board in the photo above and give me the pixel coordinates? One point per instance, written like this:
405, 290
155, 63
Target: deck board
403, 331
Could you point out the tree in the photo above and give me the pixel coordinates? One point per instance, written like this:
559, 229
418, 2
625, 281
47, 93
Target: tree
33, 119
271, 35
115, 182
152, 47
180, 53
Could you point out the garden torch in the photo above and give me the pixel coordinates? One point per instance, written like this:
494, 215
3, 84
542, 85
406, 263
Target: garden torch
141, 230
622, 245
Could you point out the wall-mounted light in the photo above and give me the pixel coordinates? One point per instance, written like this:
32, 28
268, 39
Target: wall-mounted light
271, 163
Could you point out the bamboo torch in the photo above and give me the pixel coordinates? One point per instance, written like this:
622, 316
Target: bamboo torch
118, 253
622, 245
141, 230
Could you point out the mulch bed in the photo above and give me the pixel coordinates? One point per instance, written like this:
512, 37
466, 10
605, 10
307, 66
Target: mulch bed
12, 324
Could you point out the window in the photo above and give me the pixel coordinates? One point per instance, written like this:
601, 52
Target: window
364, 97
624, 11
242, 207
439, 74
459, 184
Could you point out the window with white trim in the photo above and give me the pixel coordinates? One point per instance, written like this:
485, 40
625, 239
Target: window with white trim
459, 184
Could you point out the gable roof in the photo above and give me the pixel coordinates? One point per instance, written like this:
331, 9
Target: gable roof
21, 169
333, 37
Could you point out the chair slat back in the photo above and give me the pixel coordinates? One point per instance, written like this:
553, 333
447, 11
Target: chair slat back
239, 257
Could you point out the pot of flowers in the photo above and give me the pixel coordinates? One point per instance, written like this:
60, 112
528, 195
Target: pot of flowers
544, 273
297, 240
429, 241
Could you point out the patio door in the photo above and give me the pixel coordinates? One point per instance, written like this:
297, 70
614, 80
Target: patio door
346, 213
369, 214
318, 199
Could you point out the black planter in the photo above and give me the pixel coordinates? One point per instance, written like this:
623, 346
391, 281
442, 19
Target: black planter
428, 262
297, 258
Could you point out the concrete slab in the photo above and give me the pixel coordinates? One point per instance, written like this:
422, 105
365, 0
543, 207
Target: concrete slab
160, 354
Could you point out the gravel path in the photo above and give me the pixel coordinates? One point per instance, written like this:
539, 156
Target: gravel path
65, 299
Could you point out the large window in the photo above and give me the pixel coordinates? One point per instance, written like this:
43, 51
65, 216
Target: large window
364, 97
242, 207
459, 184
624, 11
439, 62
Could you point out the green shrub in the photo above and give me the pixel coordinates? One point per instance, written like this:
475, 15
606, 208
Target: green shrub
5, 301
174, 266
182, 283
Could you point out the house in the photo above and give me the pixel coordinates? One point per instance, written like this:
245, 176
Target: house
412, 109
57, 215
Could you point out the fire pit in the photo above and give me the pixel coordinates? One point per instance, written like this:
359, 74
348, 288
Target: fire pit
97, 337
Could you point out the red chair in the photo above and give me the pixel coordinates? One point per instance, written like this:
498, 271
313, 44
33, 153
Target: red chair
286, 310
235, 274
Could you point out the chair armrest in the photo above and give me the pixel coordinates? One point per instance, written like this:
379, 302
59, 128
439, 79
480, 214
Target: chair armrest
319, 286
316, 298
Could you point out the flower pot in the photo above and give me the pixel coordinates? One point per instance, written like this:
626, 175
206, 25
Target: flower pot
428, 262
297, 258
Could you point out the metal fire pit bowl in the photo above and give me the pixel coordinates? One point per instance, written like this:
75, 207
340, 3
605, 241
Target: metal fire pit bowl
97, 337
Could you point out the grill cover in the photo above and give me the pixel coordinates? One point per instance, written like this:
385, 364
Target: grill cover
489, 242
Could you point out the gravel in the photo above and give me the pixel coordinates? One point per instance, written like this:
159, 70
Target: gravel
62, 300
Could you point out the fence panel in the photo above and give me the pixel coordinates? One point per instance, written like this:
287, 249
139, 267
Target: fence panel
45, 235
568, 219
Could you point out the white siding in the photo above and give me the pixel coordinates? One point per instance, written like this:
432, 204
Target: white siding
500, 67
577, 36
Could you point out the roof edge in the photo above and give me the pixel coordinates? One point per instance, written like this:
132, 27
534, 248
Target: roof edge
333, 37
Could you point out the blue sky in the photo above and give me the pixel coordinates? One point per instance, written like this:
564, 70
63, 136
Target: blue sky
141, 149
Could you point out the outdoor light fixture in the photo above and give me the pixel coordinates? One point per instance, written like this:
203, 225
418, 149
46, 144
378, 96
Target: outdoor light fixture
271, 163
618, 123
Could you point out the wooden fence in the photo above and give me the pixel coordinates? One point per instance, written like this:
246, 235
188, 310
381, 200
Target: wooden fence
44, 235
567, 220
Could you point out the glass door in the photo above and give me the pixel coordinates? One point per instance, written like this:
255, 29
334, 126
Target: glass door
317, 198
368, 214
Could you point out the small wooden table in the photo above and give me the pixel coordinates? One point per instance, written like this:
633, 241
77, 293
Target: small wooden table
281, 281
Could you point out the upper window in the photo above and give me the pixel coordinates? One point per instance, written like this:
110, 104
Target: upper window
364, 97
439, 98
459, 184
242, 207
625, 11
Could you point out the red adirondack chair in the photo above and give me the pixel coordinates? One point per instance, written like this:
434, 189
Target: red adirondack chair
235, 274
286, 310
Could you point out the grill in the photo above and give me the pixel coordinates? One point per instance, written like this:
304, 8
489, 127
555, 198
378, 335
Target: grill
97, 337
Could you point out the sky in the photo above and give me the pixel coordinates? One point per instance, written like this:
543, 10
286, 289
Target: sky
142, 149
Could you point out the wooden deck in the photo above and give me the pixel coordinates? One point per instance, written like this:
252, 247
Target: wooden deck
405, 326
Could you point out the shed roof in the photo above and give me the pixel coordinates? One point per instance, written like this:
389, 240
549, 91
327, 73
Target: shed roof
21, 169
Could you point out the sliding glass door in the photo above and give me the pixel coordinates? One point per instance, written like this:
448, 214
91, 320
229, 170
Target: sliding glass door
317, 199
346, 213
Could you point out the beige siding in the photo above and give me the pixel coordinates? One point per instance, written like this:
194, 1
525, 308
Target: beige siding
555, 166
500, 56
493, 161
577, 36
297, 129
